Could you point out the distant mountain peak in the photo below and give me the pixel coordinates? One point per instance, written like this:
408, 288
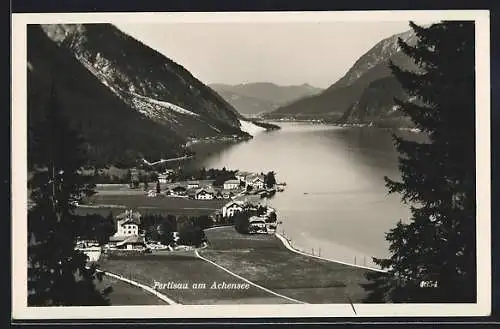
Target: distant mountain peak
380, 53
367, 69
261, 97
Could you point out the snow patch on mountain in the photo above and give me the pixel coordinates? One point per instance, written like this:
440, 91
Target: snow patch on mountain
250, 128
167, 105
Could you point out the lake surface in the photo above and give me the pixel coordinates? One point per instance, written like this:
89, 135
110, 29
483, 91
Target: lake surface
335, 202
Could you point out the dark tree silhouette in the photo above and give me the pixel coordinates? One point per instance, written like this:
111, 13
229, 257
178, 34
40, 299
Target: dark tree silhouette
57, 273
270, 179
433, 255
158, 187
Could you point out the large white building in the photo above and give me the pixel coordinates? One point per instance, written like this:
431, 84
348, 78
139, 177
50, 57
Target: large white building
231, 184
230, 208
128, 223
127, 227
203, 194
193, 184
257, 182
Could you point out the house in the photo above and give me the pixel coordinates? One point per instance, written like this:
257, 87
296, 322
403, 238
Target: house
166, 176
241, 175
135, 242
193, 184
152, 193
127, 225
231, 184
219, 195
203, 194
257, 224
163, 178
257, 182
178, 191
176, 237
230, 208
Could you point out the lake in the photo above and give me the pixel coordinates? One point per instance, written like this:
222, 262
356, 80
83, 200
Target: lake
335, 202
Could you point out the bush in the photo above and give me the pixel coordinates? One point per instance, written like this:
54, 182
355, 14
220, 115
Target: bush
241, 222
192, 237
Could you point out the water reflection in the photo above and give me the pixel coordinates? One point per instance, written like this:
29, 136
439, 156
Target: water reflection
335, 198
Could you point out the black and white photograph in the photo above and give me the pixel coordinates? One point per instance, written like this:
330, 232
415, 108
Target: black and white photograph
314, 164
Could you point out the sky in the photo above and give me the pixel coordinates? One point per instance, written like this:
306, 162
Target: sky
285, 53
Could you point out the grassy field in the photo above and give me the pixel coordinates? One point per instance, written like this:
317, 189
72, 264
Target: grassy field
264, 260
186, 268
127, 294
142, 203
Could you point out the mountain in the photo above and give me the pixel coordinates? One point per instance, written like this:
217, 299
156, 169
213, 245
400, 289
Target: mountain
365, 88
262, 97
376, 105
127, 99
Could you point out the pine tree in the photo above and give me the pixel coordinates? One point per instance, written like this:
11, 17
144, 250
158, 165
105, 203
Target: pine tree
434, 255
128, 177
57, 273
270, 179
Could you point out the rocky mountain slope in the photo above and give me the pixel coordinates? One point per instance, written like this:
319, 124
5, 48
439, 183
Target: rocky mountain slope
364, 93
127, 98
262, 97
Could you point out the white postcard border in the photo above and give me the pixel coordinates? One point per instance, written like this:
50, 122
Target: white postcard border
20, 311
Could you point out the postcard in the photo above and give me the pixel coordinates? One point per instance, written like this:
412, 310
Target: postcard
251, 164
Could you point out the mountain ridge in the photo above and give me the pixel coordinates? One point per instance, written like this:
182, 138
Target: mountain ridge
128, 99
131, 68
333, 103
262, 97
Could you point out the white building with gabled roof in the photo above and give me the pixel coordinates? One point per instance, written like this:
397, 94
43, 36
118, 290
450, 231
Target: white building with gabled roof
232, 207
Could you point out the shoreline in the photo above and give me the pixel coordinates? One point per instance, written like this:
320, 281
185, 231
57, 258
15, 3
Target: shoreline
344, 125
286, 242
269, 262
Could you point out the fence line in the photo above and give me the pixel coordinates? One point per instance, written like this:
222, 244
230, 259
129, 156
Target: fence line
129, 279
362, 261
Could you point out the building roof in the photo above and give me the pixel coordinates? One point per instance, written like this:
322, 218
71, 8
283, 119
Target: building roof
132, 239
232, 181
204, 190
193, 182
129, 214
117, 238
256, 219
243, 173
178, 188
230, 203
130, 221
253, 177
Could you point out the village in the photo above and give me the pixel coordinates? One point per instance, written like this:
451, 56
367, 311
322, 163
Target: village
236, 195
